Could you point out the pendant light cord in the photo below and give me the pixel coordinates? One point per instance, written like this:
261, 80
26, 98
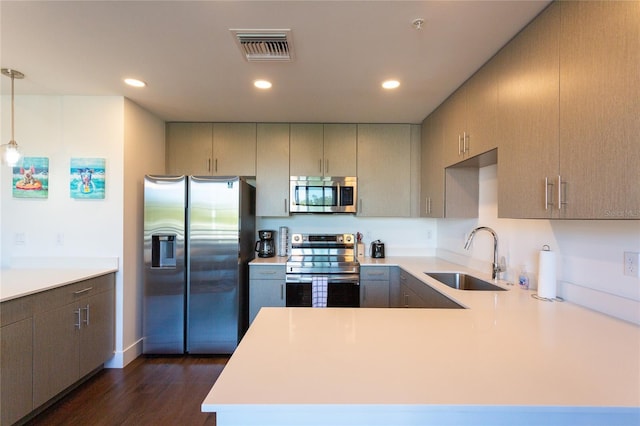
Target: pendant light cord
12, 108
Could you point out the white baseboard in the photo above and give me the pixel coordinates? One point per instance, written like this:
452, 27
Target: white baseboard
121, 358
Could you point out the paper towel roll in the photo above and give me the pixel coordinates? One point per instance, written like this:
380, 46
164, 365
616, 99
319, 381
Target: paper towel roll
547, 274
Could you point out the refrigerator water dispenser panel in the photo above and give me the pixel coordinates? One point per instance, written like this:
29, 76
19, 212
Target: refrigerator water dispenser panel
163, 251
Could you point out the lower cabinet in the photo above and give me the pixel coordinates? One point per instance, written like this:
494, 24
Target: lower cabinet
16, 370
374, 286
66, 333
416, 294
266, 288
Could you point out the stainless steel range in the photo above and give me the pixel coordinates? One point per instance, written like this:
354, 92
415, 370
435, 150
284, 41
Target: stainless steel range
323, 262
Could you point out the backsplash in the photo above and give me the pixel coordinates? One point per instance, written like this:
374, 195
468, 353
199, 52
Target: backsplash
589, 253
402, 237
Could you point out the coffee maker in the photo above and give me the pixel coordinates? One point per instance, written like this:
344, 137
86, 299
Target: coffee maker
266, 247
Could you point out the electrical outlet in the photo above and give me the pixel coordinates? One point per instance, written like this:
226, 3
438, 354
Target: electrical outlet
631, 264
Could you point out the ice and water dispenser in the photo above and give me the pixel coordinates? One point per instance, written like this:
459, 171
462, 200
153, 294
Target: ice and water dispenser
163, 251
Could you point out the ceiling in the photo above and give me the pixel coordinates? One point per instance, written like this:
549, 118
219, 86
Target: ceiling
194, 70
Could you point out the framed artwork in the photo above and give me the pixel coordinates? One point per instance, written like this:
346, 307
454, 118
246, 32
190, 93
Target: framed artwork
87, 178
31, 180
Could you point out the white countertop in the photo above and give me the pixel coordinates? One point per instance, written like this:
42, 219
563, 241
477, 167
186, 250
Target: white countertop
508, 359
15, 283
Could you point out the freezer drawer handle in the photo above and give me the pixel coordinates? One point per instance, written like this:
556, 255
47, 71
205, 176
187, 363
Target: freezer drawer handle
84, 290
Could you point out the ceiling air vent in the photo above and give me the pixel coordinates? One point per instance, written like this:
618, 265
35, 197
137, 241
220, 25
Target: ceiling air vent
264, 45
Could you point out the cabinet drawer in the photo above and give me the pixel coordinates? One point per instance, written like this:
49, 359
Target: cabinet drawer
271, 272
374, 273
16, 310
64, 295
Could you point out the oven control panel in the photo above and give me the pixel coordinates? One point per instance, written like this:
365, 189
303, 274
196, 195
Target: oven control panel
347, 239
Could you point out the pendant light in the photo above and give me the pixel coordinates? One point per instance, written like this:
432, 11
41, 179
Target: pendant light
9, 152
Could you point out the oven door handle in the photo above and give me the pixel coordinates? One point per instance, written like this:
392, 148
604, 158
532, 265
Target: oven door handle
305, 278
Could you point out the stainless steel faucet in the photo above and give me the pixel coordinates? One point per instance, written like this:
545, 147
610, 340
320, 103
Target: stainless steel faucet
496, 268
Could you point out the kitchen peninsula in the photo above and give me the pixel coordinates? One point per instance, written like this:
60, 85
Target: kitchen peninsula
57, 328
506, 359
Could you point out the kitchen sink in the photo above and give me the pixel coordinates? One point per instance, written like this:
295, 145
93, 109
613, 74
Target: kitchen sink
462, 281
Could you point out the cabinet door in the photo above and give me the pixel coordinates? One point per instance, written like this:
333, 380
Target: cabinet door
97, 332
272, 170
454, 126
189, 148
374, 287
340, 141
432, 172
374, 294
55, 351
16, 368
306, 150
265, 293
234, 149
481, 111
600, 110
528, 111
384, 170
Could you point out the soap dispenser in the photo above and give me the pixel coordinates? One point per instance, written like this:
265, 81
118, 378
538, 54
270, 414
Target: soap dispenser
523, 278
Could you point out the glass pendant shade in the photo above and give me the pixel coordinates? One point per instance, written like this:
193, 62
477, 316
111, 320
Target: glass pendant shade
10, 154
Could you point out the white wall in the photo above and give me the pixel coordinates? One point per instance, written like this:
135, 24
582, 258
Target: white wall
144, 153
60, 128
589, 253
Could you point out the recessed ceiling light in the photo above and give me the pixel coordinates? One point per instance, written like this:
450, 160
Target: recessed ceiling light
262, 84
134, 82
391, 84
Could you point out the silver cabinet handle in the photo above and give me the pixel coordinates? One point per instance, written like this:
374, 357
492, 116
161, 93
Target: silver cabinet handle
429, 205
267, 272
285, 205
459, 145
208, 164
216, 166
406, 300
281, 291
560, 183
84, 290
465, 148
78, 321
86, 310
546, 193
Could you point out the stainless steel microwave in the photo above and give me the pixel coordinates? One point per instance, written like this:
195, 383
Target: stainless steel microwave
318, 194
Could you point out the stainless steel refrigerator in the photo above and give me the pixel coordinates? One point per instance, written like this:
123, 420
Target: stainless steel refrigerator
198, 240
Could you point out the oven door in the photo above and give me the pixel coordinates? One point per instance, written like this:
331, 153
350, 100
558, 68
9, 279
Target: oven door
343, 290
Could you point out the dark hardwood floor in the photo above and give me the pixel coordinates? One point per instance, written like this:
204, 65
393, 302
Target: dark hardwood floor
148, 391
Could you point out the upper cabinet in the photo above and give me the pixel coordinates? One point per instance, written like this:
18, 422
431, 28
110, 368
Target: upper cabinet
234, 149
569, 102
272, 170
211, 149
528, 119
599, 110
469, 117
384, 170
189, 149
432, 168
323, 149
